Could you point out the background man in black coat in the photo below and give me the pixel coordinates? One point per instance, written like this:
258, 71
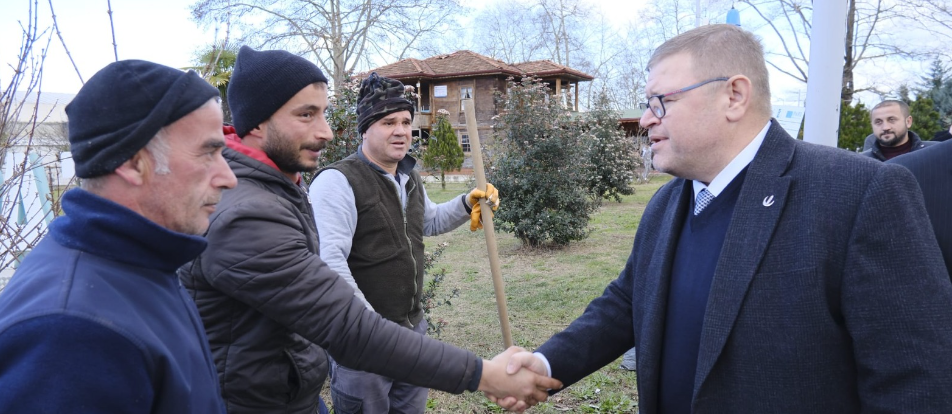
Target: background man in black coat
933, 170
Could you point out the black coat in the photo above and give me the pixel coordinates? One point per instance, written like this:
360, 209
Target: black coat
270, 304
933, 170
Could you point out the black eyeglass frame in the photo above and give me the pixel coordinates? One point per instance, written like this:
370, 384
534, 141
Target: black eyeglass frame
659, 110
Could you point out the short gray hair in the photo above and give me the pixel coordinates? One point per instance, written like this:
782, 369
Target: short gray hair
158, 146
722, 50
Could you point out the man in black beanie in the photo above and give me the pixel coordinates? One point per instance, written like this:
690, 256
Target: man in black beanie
95, 320
270, 305
360, 203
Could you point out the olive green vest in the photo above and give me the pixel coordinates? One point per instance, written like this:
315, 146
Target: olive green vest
386, 258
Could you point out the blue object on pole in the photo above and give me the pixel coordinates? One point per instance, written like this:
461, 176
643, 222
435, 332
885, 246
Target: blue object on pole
21, 211
733, 17
42, 186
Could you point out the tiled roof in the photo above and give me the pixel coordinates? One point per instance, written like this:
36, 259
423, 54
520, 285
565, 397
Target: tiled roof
548, 67
469, 63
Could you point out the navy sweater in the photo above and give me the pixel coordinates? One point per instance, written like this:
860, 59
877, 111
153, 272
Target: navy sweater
699, 247
95, 320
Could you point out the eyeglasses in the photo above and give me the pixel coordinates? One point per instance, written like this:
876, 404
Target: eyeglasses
656, 102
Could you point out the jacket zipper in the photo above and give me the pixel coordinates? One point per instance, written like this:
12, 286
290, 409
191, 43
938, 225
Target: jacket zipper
406, 234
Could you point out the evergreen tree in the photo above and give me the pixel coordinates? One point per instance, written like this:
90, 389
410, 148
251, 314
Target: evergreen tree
443, 153
938, 87
854, 126
925, 119
537, 168
610, 153
903, 93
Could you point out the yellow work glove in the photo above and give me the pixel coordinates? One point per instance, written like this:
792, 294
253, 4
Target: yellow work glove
492, 197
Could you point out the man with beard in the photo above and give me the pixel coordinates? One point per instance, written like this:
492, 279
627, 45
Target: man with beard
891, 136
269, 304
373, 213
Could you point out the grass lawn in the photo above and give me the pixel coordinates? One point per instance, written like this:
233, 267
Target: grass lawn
546, 289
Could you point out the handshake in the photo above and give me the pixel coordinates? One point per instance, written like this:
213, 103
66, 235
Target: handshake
516, 380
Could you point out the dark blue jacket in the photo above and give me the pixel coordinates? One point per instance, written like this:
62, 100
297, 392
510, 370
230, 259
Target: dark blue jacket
95, 320
933, 171
829, 296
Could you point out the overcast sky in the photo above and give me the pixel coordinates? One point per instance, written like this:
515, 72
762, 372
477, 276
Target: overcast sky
162, 31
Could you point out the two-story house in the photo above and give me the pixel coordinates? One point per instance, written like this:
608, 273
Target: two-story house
443, 81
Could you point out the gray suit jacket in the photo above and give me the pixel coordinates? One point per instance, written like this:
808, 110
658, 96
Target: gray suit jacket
827, 297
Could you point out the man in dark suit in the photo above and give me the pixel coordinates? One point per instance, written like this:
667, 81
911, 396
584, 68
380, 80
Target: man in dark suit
933, 170
801, 280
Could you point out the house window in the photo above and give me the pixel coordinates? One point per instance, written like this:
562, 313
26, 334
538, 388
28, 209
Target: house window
464, 141
424, 98
465, 92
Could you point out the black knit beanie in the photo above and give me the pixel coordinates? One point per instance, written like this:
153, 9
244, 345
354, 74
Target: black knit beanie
378, 98
263, 82
121, 108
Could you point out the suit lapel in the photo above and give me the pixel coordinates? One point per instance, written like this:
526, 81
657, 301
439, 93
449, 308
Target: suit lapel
756, 214
657, 282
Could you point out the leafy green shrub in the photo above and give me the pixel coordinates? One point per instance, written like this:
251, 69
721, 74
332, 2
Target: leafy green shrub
342, 117
611, 155
537, 168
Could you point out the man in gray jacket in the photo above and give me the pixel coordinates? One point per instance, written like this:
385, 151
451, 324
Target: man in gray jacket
269, 304
373, 212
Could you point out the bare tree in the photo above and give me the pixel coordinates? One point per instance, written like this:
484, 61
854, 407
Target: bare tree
563, 24
870, 29
505, 31
27, 135
933, 17
340, 34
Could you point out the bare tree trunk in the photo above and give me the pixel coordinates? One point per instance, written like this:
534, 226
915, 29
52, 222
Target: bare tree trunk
848, 88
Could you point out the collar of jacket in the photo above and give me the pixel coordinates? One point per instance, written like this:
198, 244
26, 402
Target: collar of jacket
100, 227
913, 138
234, 142
247, 168
405, 166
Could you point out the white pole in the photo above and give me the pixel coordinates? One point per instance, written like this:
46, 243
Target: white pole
827, 50
697, 14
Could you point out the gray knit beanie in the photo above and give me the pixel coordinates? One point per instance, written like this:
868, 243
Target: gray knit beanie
121, 108
263, 81
379, 97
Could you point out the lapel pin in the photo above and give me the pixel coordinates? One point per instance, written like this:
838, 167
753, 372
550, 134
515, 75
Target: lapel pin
768, 201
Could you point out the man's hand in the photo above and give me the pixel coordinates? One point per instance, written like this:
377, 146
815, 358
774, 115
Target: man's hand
492, 198
516, 361
520, 389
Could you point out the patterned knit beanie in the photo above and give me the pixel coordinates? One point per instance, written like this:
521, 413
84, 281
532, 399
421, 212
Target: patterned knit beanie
263, 81
378, 98
121, 108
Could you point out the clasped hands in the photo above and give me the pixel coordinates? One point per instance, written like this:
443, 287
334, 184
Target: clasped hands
491, 195
516, 380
